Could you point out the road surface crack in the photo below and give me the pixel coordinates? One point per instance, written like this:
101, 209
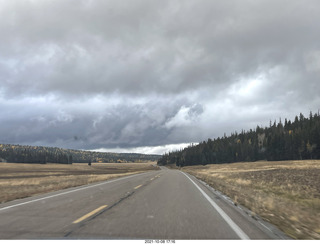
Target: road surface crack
86, 221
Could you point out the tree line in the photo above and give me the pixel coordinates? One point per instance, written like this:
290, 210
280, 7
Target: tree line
288, 140
33, 154
41, 155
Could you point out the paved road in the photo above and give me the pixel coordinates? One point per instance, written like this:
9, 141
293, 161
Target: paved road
165, 204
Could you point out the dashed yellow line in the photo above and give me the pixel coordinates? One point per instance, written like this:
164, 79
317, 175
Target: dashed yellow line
89, 214
157, 176
137, 187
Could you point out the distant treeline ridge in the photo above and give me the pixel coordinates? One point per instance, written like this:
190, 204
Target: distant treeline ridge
38, 154
295, 140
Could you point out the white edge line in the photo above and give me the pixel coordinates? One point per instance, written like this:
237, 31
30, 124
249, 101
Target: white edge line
230, 222
63, 193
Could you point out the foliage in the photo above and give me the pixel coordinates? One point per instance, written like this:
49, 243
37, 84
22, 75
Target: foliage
33, 154
37, 154
299, 139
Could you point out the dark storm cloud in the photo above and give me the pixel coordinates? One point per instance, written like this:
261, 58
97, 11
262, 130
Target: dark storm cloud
89, 124
94, 74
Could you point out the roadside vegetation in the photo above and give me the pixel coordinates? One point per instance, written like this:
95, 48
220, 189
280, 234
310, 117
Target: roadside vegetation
295, 140
19, 180
285, 193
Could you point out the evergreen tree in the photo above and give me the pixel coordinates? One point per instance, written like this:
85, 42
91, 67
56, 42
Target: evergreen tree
289, 141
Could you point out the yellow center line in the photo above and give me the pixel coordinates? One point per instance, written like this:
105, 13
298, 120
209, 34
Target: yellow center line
157, 176
89, 214
137, 187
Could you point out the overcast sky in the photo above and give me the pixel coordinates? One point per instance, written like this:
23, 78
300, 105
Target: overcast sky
146, 76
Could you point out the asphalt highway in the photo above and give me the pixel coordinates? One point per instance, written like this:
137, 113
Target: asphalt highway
163, 204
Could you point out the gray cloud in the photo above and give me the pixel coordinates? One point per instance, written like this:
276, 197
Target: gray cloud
94, 74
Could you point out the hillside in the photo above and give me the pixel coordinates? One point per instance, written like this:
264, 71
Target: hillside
295, 140
38, 154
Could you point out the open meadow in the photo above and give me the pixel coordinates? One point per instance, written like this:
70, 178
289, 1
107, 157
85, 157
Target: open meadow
19, 180
285, 193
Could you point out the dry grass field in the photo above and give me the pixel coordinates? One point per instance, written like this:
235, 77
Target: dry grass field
23, 180
285, 193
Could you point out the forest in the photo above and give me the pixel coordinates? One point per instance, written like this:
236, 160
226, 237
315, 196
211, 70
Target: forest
41, 155
288, 140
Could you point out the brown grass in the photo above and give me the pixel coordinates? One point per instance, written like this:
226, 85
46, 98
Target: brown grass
285, 193
23, 180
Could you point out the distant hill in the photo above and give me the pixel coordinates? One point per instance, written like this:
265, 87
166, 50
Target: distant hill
38, 154
296, 140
